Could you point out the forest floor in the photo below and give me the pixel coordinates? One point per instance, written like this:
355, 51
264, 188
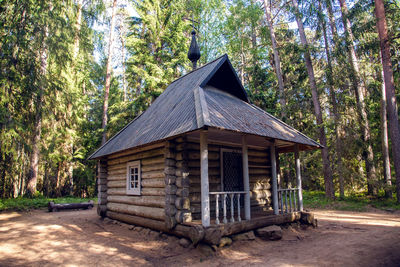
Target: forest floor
81, 238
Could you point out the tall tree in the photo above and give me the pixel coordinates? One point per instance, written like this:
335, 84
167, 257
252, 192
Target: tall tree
329, 188
359, 89
332, 93
278, 70
389, 88
158, 42
37, 130
108, 72
385, 141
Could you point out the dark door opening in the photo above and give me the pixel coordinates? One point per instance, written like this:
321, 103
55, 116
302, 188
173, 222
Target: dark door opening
232, 171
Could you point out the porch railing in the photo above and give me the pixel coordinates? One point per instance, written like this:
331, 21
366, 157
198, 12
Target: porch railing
233, 199
288, 200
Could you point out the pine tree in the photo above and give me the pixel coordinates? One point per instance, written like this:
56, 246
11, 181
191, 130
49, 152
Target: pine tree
390, 89
158, 43
329, 188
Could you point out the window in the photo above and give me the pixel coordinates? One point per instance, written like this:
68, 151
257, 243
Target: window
133, 178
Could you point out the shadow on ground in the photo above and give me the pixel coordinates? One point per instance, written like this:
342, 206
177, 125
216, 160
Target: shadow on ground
40, 238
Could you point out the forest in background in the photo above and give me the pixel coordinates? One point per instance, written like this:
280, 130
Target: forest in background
73, 73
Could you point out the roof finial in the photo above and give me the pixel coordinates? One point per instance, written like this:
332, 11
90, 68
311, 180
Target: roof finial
194, 50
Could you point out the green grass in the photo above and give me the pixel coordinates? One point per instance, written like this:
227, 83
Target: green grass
355, 202
22, 203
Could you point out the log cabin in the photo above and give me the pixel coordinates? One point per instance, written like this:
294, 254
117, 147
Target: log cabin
201, 161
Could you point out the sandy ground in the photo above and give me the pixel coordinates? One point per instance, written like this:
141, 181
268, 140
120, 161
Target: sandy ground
81, 238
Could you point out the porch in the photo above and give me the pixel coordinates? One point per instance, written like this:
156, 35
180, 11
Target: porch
234, 210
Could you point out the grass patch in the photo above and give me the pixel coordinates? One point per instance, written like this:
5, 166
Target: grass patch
23, 203
355, 202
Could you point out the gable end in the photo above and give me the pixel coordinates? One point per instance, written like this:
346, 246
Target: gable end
225, 78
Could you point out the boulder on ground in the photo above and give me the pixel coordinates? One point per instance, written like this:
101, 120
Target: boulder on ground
205, 249
307, 218
244, 236
184, 242
272, 232
225, 241
162, 236
315, 223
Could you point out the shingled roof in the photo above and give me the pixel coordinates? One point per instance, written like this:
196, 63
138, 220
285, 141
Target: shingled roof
212, 96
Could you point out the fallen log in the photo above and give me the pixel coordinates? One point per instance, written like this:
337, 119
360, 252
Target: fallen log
67, 206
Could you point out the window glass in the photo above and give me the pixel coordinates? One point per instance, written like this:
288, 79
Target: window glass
133, 178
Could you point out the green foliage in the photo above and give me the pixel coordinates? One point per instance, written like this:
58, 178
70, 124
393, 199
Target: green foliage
353, 202
156, 42
31, 29
23, 204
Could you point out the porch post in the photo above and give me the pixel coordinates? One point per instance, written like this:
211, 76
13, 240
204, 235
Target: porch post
246, 179
298, 176
205, 196
274, 180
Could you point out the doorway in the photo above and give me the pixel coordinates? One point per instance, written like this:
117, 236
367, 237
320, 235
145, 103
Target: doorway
231, 170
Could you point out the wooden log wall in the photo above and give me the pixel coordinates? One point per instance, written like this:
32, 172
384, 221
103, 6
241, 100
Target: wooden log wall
102, 188
259, 176
182, 201
151, 203
170, 173
170, 184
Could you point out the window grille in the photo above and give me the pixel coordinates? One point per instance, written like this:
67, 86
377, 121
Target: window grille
233, 175
133, 179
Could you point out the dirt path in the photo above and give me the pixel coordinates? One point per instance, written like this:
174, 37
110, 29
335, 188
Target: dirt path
81, 238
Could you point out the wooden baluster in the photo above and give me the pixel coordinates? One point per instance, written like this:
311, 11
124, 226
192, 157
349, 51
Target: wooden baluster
225, 220
238, 206
217, 209
281, 201
286, 204
232, 208
295, 200
290, 200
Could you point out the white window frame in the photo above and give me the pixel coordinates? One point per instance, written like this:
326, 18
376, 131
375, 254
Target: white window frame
129, 190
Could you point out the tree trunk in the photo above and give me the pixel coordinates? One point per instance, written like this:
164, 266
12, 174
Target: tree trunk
58, 181
70, 148
77, 28
359, 89
337, 117
329, 189
122, 37
390, 90
277, 61
332, 22
385, 142
242, 65
108, 74
37, 129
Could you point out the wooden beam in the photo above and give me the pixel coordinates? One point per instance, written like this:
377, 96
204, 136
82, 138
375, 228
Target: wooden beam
274, 180
195, 233
205, 196
244, 226
246, 179
298, 176
141, 211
